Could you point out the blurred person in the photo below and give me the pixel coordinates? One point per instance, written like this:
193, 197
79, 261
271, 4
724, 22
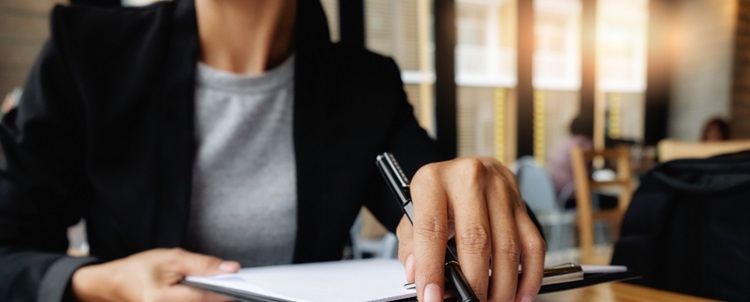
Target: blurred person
198, 136
715, 129
560, 165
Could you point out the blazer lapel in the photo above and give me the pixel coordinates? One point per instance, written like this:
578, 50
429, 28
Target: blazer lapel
313, 94
176, 146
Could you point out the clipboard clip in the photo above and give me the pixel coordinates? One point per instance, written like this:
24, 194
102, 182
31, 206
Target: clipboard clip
565, 272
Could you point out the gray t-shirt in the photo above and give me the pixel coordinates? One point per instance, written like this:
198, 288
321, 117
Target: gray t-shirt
244, 198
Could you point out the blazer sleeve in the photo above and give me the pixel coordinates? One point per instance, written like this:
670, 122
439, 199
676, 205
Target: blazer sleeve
407, 140
41, 184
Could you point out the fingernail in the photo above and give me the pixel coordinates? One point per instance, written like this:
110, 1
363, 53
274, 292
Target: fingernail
528, 298
229, 266
433, 293
409, 266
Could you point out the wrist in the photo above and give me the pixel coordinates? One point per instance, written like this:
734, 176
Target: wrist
88, 284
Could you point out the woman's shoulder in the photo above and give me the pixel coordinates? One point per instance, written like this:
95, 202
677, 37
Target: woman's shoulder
360, 56
82, 26
358, 66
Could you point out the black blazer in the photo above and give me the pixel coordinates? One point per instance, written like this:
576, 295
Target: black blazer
105, 132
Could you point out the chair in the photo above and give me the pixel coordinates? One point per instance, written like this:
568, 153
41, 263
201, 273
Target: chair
538, 191
78, 244
670, 149
385, 246
584, 185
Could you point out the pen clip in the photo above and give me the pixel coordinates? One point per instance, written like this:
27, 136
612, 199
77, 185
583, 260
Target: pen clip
397, 180
397, 171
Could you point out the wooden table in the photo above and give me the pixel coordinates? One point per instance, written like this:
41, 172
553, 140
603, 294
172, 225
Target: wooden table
619, 292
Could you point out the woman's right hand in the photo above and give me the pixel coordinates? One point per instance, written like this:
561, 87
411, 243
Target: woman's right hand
152, 275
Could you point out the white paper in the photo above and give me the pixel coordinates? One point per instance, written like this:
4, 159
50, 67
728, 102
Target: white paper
345, 281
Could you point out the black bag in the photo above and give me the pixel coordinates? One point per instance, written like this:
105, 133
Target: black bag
687, 228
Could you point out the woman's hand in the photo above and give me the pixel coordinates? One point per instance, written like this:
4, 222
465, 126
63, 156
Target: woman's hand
149, 276
476, 199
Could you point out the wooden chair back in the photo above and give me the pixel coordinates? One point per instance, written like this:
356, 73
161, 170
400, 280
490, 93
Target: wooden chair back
584, 185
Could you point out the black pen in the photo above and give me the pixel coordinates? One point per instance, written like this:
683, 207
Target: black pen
399, 184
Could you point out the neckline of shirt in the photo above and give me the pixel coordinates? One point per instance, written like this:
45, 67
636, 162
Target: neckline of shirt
225, 81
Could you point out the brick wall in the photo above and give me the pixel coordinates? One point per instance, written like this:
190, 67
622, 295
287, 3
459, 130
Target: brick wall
740, 123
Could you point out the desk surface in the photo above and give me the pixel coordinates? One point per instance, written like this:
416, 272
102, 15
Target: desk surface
617, 292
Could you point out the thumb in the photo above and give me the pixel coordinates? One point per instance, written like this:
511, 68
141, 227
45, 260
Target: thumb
406, 248
188, 263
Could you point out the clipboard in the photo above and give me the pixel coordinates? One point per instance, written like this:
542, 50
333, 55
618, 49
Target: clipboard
237, 294
558, 278
569, 276
590, 275
333, 281
587, 280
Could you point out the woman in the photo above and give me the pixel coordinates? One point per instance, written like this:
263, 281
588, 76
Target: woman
119, 126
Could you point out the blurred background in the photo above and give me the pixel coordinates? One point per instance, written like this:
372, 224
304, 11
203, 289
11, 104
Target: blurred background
505, 78
521, 70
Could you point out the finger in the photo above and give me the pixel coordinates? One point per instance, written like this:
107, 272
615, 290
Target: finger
505, 243
187, 263
532, 257
430, 233
405, 234
406, 247
472, 228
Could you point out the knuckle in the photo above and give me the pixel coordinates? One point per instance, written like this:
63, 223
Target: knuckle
435, 275
472, 169
475, 239
509, 247
505, 172
173, 258
176, 251
431, 229
427, 173
536, 245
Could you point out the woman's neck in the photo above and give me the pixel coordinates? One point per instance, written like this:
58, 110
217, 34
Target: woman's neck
245, 36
